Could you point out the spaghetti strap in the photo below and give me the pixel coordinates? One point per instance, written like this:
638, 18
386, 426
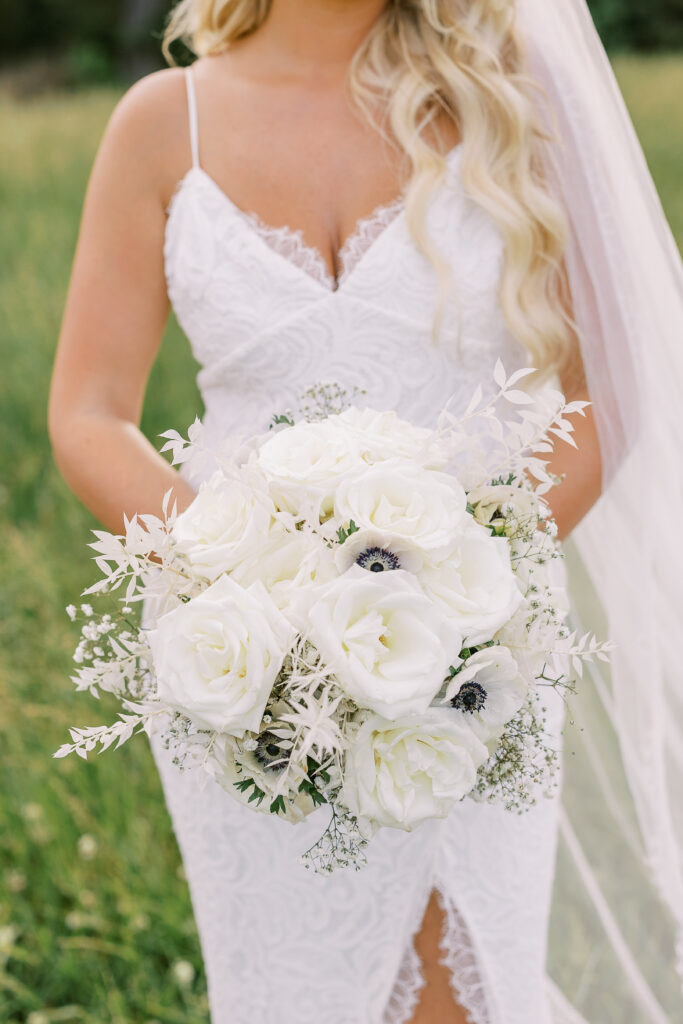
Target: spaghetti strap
192, 115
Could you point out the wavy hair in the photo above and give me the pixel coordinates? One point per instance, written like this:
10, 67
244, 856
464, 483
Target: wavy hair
421, 59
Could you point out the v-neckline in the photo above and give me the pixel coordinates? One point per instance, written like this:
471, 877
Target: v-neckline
258, 228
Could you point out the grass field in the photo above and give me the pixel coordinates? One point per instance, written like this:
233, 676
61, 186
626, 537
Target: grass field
95, 921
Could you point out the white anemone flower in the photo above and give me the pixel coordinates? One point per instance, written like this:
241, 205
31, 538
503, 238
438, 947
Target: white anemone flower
487, 692
378, 551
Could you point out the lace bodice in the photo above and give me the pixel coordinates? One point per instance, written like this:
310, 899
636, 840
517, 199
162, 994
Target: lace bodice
265, 321
289, 243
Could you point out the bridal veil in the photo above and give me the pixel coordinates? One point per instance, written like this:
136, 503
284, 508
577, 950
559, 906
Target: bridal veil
616, 948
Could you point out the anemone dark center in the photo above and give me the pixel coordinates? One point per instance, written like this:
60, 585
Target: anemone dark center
470, 697
268, 752
378, 559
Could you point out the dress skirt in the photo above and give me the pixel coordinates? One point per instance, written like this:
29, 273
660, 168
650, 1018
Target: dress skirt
282, 945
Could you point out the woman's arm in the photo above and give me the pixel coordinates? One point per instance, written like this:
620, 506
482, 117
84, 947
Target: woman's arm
581, 468
117, 308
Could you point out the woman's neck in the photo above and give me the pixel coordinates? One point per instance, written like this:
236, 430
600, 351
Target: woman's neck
302, 38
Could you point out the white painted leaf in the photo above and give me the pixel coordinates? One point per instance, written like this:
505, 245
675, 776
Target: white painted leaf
499, 374
518, 397
474, 401
520, 374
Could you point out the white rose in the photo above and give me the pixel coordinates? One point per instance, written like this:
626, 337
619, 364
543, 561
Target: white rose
225, 523
217, 656
400, 773
475, 584
487, 692
304, 463
388, 645
383, 435
424, 507
292, 565
496, 501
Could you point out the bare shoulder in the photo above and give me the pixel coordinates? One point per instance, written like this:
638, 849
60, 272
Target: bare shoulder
153, 98
148, 132
160, 98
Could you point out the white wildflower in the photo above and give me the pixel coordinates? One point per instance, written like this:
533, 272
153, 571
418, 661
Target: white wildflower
183, 972
32, 812
87, 846
8, 937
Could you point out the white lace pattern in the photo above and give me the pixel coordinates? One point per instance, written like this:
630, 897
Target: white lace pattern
458, 955
291, 245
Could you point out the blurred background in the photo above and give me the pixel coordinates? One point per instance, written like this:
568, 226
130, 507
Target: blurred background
62, 43
95, 920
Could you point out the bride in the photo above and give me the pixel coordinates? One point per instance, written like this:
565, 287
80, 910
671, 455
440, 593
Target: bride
394, 194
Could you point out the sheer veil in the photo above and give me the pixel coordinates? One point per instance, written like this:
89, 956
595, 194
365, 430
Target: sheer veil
616, 948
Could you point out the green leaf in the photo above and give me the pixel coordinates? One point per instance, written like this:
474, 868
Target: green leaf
280, 418
278, 805
257, 795
306, 786
344, 532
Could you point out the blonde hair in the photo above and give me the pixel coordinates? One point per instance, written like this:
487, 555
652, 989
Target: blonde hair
423, 58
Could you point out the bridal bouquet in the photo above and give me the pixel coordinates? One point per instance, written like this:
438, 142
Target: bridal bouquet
354, 612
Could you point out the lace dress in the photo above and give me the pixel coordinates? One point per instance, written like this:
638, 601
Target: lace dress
265, 319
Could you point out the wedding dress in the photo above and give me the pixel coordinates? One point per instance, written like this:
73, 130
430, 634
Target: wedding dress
266, 320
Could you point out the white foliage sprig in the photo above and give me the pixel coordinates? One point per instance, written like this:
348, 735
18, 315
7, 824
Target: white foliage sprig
88, 738
520, 443
587, 649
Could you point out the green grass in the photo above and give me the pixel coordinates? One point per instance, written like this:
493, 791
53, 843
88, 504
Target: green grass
94, 938
653, 87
